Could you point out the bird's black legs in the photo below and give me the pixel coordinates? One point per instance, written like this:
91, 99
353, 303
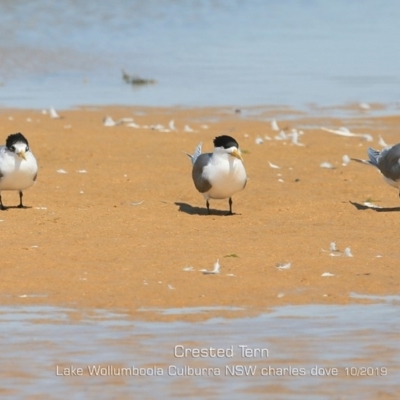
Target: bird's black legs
230, 206
20, 200
1, 205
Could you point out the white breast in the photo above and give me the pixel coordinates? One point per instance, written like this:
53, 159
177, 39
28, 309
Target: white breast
15, 172
226, 175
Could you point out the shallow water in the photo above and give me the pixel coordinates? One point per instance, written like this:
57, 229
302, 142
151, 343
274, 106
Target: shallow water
298, 347
204, 52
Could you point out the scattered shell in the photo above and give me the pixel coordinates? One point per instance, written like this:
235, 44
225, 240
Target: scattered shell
53, 113
343, 131
216, 270
326, 165
273, 165
327, 274
347, 252
364, 106
157, 127
283, 266
188, 269
187, 128
108, 121
171, 125
62, 171
345, 160
259, 140
137, 203
274, 125
295, 137
133, 125
281, 136
371, 205
382, 142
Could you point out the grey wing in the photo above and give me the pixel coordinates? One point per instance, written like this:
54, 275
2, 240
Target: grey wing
388, 162
202, 184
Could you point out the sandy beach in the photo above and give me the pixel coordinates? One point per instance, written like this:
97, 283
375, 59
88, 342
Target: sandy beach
119, 227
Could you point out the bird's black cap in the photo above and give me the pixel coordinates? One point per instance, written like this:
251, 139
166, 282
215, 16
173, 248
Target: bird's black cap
16, 138
225, 142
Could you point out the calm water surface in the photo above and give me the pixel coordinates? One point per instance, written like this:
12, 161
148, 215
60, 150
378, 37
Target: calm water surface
200, 52
313, 352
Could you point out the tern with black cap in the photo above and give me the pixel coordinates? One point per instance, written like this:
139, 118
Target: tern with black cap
388, 163
18, 166
220, 174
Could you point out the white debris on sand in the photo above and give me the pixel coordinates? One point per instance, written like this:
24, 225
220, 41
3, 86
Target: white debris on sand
282, 266
343, 131
216, 270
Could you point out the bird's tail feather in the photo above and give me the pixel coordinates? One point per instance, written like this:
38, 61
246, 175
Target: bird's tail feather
373, 156
197, 152
367, 162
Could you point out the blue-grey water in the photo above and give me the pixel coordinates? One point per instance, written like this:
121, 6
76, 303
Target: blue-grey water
305, 352
200, 52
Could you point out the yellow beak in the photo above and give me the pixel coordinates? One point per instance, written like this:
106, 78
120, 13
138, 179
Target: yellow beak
22, 154
236, 153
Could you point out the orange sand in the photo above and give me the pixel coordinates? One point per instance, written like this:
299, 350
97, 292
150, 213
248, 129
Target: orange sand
85, 241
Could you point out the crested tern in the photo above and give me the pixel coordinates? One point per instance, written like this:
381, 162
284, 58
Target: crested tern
220, 174
18, 166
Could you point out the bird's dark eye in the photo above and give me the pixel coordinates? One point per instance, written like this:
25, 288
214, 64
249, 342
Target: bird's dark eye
12, 148
27, 148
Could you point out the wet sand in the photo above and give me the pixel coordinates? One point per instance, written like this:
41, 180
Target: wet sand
120, 235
